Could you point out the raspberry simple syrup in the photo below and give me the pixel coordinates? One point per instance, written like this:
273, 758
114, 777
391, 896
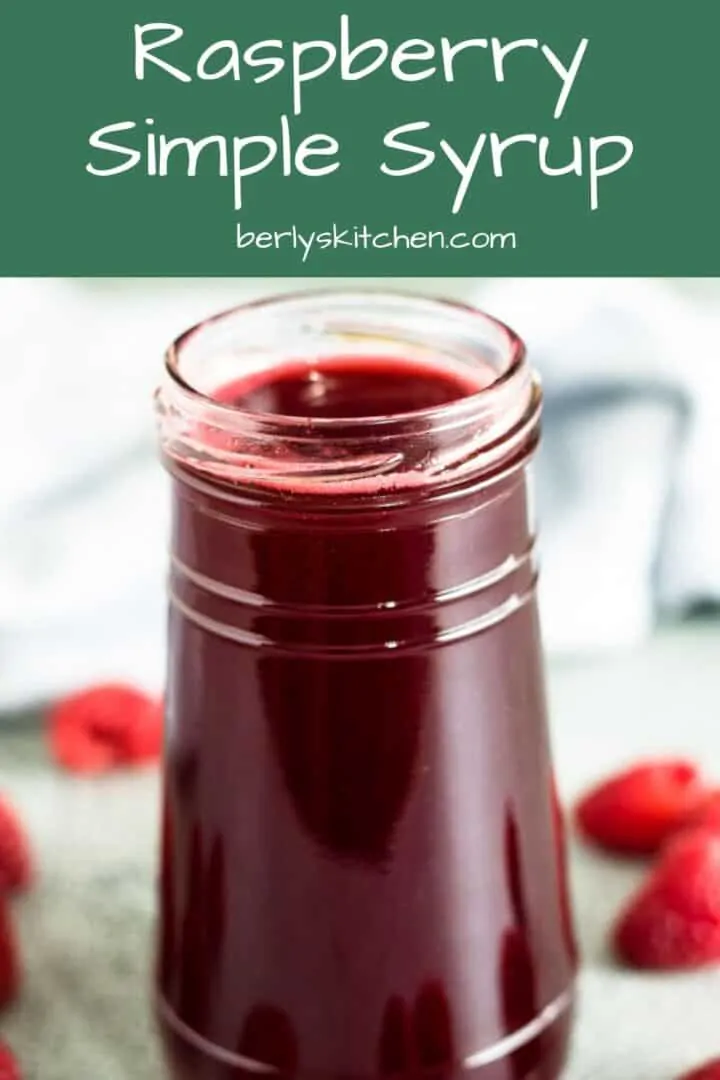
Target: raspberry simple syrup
363, 863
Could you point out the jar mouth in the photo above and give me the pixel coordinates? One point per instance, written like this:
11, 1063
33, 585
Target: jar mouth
324, 314
491, 421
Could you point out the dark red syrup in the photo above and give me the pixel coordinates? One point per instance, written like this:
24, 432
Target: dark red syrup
362, 869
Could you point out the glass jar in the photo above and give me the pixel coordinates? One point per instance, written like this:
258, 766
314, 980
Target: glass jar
363, 866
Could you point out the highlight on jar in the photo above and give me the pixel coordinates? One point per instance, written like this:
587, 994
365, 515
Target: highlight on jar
359, 679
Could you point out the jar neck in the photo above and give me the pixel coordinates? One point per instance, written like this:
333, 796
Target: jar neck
490, 426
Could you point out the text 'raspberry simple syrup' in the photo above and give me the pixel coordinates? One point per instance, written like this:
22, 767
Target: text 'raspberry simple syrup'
363, 863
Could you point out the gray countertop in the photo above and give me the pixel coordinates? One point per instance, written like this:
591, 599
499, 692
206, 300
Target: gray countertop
86, 933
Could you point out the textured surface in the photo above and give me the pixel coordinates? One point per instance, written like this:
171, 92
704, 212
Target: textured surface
86, 929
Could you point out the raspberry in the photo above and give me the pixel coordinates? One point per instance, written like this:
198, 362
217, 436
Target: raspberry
144, 737
707, 816
9, 1068
709, 1071
104, 727
9, 964
15, 862
634, 812
673, 921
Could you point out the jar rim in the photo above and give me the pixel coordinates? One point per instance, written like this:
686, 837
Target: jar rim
476, 432
458, 409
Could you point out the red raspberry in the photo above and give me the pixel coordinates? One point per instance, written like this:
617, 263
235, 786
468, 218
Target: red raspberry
9, 1068
673, 921
9, 963
15, 862
709, 1071
144, 737
707, 816
105, 727
634, 812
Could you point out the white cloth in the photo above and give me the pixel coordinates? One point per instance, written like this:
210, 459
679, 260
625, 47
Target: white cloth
83, 507
627, 479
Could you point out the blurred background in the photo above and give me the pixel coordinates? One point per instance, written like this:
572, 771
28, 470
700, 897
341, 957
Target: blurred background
627, 479
628, 493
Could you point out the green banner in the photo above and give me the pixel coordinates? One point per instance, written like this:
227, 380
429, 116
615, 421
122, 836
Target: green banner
504, 137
